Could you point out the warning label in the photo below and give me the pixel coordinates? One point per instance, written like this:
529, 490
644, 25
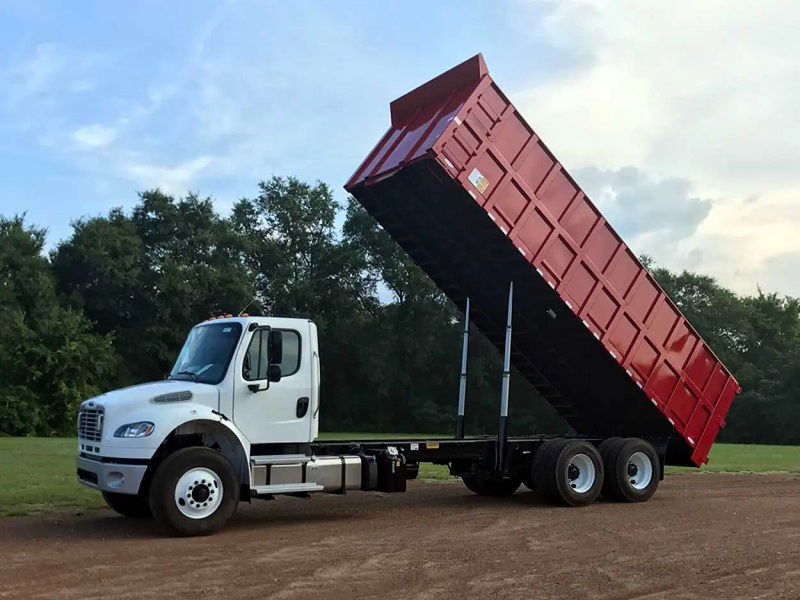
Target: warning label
478, 180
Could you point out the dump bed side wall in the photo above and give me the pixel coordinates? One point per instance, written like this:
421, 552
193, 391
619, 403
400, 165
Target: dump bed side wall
482, 142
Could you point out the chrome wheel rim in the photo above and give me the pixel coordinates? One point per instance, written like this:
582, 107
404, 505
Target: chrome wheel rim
581, 473
640, 470
198, 493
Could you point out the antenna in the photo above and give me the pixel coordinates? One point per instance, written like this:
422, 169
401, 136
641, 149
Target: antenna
246, 306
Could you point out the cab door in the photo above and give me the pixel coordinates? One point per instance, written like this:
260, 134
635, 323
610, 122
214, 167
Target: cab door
273, 411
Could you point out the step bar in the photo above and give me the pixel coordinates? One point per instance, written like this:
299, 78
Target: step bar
279, 459
288, 488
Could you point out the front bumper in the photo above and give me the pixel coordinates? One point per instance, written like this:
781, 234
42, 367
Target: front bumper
110, 477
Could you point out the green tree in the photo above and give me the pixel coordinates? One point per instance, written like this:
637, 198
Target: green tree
301, 269
151, 275
49, 357
768, 368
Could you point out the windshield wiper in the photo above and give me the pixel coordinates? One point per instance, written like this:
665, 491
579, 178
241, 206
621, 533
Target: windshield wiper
194, 375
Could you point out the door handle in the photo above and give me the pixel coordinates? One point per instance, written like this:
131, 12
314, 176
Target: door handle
302, 407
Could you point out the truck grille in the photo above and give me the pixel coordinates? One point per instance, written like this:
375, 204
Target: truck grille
90, 424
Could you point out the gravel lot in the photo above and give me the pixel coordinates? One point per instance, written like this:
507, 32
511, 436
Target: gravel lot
701, 536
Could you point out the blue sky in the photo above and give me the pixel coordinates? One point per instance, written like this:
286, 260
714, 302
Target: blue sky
103, 99
681, 124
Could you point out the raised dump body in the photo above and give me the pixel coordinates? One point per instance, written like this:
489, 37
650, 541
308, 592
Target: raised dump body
468, 189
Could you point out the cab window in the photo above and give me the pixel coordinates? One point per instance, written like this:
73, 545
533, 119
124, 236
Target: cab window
256, 361
291, 353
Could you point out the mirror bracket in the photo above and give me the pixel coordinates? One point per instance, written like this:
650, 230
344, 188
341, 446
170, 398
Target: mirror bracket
274, 373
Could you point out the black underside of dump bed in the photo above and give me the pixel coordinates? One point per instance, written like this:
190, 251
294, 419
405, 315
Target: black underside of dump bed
456, 243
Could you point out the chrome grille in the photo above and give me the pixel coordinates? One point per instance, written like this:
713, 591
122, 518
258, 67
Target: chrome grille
90, 424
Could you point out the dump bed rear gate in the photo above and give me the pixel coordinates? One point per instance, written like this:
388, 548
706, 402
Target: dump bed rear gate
477, 200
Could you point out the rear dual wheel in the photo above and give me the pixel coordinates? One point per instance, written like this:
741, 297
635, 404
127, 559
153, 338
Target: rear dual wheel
575, 472
632, 469
568, 472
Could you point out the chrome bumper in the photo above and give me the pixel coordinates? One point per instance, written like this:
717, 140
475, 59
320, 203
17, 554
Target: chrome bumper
110, 477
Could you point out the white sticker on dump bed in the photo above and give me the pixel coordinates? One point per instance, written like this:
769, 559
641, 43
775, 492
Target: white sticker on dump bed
478, 180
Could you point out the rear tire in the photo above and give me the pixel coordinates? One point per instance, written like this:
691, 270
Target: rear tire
568, 472
194, 492
632, 470
606, 447
484, 484
128, 505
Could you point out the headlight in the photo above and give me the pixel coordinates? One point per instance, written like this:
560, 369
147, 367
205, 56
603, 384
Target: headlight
135, 430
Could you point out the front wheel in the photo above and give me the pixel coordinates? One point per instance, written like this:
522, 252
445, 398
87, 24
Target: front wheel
194, 492
127, 505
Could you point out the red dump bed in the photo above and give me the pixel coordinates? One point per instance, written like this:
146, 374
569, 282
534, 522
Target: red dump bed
466, 186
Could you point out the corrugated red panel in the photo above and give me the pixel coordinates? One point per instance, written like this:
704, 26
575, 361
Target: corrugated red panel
464, 122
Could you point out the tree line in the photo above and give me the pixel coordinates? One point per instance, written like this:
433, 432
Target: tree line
110, 306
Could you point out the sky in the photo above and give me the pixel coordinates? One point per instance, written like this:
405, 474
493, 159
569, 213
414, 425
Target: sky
681, 120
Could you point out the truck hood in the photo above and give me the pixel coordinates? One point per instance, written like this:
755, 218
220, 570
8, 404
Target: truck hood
156, 392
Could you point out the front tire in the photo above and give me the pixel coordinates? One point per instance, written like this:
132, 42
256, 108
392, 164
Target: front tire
194, 492
128, 505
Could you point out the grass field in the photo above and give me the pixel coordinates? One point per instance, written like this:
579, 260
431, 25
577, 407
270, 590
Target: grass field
38, 474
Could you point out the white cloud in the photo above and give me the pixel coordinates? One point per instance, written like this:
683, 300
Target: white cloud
175, 180
95, 136
646, 211
707, 93
45, 72
34, 74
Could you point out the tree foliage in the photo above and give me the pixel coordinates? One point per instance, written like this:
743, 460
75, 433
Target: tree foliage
111, 305
150, 275
50, 359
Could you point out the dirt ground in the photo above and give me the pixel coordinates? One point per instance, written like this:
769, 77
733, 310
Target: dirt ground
701, 536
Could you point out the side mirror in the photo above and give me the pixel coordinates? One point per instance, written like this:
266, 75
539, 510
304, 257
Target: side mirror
274, 373
275, 349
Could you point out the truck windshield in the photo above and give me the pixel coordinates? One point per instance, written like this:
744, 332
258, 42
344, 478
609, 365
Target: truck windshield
207, 352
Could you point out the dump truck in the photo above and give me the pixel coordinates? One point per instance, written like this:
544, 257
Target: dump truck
467, 188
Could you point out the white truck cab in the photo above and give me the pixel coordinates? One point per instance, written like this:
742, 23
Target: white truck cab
240, 386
